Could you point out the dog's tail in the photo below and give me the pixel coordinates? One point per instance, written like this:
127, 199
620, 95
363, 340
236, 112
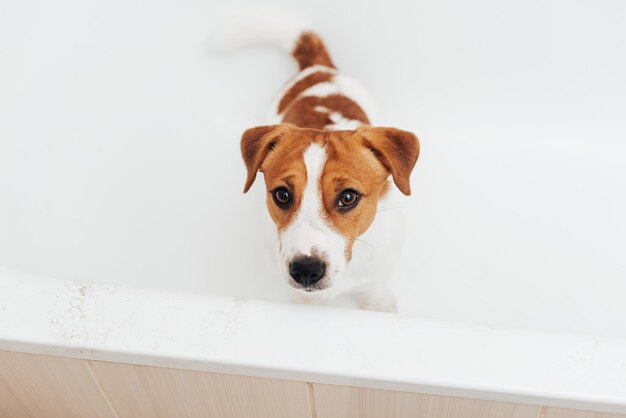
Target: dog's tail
277, 29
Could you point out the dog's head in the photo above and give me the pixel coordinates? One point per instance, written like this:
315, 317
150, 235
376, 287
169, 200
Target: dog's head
323, 188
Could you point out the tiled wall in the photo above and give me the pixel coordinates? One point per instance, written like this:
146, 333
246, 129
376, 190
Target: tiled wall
40, 386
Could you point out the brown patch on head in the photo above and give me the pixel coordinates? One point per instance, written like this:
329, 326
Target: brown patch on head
360, 160
351, 166
303, 112
277, 152
284, 167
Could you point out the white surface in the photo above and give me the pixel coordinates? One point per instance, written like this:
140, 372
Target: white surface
119, 150
203, 332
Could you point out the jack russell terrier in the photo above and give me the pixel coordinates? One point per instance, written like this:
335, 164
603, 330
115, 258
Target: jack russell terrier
326, 171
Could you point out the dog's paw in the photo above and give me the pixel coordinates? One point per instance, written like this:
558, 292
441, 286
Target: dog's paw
378, 298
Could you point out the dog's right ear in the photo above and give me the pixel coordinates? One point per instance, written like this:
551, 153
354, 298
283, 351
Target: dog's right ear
255, 144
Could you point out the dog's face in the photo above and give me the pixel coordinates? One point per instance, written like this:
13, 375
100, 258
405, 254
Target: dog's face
323, 188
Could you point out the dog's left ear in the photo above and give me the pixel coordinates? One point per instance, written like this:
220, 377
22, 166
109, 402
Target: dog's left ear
256, 143
397, 150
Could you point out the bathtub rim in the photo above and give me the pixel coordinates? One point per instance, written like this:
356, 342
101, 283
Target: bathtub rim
210, 333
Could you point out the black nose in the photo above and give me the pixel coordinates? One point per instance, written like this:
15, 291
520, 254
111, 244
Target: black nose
307, 270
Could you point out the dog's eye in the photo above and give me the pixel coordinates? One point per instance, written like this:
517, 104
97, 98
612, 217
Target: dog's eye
347, 199
282, 197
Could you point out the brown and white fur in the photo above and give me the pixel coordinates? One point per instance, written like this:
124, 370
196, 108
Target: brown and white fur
319, 152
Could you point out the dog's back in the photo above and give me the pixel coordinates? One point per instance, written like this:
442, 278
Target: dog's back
318, 96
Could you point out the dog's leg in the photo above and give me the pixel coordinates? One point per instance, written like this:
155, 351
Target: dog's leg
376, 297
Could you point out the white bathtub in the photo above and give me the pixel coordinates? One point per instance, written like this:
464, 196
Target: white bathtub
124, 235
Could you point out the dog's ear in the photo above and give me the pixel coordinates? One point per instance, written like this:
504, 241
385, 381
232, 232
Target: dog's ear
397, 150
255, 144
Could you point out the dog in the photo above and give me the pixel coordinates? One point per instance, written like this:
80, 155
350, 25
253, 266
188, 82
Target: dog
327, 171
